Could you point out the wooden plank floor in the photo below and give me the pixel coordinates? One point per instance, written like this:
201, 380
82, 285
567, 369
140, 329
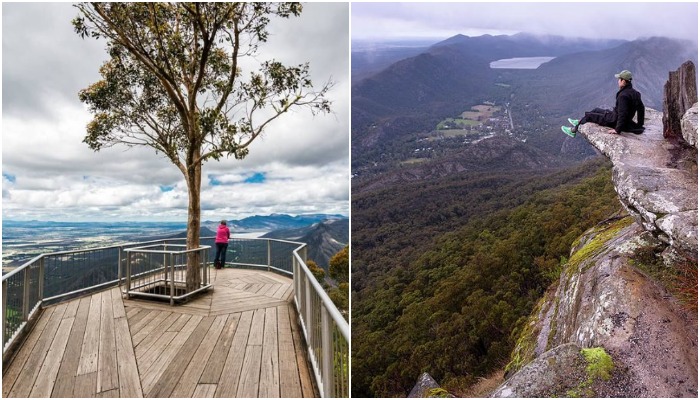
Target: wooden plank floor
240, 339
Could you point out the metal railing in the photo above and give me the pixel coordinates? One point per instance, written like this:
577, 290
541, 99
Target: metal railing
53, 277
326, 332
161, 271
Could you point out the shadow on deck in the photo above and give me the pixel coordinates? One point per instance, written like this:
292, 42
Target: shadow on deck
240, 339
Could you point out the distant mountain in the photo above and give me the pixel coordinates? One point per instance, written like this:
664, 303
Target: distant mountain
203, 232
272, 222
414, 94
324, 239
449, 76
370, 57
583, 80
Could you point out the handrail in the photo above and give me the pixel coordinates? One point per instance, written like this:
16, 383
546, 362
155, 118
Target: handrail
325, 331
329, 360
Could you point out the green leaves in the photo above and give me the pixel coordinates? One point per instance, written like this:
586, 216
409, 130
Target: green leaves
452, 308
173, 80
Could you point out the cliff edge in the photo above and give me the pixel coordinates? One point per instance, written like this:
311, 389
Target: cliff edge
655, 178
614, 324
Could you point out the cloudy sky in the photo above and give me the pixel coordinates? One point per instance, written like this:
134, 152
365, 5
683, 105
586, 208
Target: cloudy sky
301, 164
628, 21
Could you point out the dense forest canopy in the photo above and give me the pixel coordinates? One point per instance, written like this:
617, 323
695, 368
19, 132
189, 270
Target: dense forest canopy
470, 290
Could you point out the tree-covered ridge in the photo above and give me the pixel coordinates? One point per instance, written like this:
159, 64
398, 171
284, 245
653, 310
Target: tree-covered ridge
456, 310
338, 289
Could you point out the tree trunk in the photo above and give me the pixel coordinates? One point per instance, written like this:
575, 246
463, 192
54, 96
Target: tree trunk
193, 223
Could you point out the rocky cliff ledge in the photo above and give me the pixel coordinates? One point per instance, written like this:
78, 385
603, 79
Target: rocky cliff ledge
610, 327
655, 178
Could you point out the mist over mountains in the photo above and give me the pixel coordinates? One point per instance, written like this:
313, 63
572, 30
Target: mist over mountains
413, 94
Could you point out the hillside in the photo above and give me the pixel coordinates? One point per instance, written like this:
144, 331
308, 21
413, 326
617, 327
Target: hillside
629, 289
324, 239
460, 271
412, 95
369, 56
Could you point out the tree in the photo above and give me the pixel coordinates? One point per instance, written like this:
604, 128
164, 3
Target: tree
338, 265
338, 270
317, 271
173, 82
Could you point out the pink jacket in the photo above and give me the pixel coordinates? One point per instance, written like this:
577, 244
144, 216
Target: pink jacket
222, 234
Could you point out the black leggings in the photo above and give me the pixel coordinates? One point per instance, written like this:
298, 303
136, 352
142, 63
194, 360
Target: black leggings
601, 117
221, 251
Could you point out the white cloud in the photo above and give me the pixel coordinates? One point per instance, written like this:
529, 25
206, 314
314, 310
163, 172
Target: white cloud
56, 176
627, 21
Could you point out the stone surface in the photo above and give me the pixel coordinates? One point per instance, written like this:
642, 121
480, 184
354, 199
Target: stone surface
689, 126
656, 179
603, 300
551, 375
423, 387
680, 93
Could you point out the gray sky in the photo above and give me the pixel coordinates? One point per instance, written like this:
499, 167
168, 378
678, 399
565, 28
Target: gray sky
49, 174
630, 20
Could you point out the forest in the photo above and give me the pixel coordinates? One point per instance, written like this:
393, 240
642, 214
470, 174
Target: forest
460, 266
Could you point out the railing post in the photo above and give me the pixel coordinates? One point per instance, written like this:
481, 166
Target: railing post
269, 254
4, 312
304, 254
25, 295
172, 280
203, 274
41, 279
119, 266
128, 274
327, 350
307, 309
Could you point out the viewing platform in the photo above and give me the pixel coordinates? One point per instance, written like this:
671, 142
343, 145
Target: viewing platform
243, 338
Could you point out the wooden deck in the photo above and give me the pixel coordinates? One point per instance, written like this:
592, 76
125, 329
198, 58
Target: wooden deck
240, 339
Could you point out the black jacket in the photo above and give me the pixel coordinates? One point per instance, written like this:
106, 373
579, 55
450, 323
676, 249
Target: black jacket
628, 102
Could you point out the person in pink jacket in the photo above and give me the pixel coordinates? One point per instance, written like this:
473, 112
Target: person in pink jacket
222, 236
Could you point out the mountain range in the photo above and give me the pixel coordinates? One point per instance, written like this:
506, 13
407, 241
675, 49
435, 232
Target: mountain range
267, 223
324, 239
413, 94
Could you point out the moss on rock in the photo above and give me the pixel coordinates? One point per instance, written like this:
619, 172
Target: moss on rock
437, 393
601, 235
600, 364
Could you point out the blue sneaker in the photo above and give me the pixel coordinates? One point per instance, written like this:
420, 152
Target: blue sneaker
568, 131
573, 122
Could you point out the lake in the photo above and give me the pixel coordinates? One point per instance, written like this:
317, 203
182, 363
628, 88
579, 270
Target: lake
520, 62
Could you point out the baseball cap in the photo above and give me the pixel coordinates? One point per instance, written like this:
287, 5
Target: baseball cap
626, 75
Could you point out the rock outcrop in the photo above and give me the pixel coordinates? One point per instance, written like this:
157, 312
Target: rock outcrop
609, 295
551, 375
680, 93
689, 126
603, 300
427, 387
656, 180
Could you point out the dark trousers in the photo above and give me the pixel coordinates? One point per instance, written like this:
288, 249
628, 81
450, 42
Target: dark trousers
601, 117
221, 252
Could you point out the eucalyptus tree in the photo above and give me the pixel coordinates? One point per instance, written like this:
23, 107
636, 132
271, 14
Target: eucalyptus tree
175, 81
